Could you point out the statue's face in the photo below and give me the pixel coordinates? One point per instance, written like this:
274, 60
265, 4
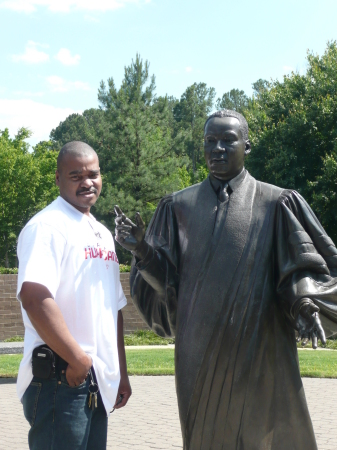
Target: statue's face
224, 147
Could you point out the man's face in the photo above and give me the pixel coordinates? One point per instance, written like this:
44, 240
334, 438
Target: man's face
224, 147
80, 181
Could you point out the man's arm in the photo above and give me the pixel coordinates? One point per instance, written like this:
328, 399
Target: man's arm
49, 323
124, 389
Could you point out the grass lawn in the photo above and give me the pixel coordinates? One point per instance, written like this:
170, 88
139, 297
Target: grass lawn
319, 364
150, 362
9, 365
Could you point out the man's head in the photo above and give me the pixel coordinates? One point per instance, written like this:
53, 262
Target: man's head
226, 143
78, 175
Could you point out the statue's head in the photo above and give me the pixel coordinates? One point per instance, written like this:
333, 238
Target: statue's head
226, 143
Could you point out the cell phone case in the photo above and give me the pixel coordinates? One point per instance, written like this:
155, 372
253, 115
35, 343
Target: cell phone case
43, 362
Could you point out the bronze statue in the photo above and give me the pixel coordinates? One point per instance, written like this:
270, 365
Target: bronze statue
232, 267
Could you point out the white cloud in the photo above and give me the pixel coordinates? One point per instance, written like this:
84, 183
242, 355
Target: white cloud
287, 69
32, 55
67, 5
28, 94
18, 5
188, 69
58, 84
38, 117
65, 57
91, 18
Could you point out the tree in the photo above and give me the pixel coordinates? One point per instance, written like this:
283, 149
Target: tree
324, 194
190, 114
139, 159
45, 159
293, 132
260, 86
19, 180
139, 163
85, 127
235, 100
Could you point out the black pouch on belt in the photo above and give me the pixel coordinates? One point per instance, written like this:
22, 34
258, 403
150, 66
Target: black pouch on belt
43, 362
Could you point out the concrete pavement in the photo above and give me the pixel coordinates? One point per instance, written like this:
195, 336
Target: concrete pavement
150, 420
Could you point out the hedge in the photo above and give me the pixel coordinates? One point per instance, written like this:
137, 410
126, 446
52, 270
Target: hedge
5, 270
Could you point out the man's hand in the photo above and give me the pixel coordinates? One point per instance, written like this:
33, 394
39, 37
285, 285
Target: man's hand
309, 325
77, 371
124, 393
130, 235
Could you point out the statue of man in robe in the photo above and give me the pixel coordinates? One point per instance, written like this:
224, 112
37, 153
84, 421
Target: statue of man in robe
232, 267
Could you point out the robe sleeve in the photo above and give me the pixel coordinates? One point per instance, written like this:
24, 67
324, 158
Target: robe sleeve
306, 261
154, 280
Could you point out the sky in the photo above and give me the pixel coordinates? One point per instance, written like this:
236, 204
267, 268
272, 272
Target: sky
54, 53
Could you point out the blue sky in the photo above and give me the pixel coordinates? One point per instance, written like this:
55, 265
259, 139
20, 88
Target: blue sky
54, 53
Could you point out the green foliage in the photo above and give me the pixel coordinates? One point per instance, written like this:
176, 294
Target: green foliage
190, 114
235, 100
85, 127
123, 268
15, 339
45, 159
27, 185
138, 156
293, 133
146, 337
19, 180
8, 271
190, 177
330, 344
259, 87
324, 195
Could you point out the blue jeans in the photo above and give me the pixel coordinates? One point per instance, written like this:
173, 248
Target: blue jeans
60, 417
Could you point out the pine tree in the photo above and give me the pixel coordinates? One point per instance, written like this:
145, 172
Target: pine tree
137, 153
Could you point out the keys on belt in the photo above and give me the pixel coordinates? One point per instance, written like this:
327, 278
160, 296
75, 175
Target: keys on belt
93, 391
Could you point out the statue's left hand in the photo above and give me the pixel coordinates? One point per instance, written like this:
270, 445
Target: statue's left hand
309, 325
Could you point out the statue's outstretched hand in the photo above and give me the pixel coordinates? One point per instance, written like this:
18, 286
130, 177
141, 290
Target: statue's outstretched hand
130, 235
309, 325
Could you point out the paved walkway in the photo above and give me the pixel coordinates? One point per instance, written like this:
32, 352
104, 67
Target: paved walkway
150, 420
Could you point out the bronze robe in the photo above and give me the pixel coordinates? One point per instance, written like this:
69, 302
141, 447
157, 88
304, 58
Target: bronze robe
225, 285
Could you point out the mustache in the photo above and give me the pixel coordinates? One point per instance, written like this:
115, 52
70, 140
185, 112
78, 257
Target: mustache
92, 189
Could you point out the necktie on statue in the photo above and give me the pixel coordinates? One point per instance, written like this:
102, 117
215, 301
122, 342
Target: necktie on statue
223, 194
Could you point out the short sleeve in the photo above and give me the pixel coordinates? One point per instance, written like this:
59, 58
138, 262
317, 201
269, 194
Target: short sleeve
40, 252
122, 299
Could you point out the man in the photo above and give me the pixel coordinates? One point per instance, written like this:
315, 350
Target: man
232, 267
71, 297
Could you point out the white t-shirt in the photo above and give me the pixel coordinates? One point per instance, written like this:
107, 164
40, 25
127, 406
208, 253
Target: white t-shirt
74, 257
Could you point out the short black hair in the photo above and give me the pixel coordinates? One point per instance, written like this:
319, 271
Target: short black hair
73, 148
236, 115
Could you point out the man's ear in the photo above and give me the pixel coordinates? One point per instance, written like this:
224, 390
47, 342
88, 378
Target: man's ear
248, 148
57, 178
